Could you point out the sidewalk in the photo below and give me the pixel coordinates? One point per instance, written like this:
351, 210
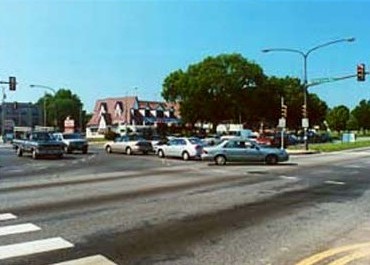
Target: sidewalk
301, 152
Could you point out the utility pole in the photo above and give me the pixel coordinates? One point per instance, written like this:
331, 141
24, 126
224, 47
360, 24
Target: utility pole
3, 111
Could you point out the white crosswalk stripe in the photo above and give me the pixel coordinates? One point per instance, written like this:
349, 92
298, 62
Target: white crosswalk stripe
17, 229
40, 246
33, 247
93, 260
7, 216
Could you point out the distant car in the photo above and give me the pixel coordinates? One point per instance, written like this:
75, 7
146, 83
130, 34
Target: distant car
72, 142
243, 150
182, 147
129, 144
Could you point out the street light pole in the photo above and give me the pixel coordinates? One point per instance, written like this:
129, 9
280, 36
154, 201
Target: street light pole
305, 78
44, 101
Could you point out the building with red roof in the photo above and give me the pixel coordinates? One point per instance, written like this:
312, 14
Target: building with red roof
118, 114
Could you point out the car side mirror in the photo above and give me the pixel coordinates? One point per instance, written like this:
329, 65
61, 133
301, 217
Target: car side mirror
255, 147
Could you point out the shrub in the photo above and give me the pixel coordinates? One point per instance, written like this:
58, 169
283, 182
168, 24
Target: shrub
110, 135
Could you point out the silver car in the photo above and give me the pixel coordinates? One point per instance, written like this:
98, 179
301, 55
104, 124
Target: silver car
129, 144
182, 147
241, 150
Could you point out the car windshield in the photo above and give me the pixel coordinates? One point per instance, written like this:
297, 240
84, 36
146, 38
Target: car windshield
195, 141
41, 136
72, 136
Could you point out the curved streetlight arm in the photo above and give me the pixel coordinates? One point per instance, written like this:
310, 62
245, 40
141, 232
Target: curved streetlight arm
284, 50
328, 43
49, 88
45, 87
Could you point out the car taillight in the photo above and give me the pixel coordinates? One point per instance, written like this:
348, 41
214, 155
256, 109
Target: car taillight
198, 147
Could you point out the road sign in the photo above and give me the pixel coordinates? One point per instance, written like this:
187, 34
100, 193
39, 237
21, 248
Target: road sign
305, 123
282, 123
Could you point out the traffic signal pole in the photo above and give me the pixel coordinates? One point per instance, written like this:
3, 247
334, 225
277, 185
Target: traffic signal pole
333, 79
283, 116
12, 86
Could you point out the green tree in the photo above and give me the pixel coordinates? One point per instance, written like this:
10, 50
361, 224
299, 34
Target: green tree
214, 90
338, 118
63, 104
231, 88
362, 114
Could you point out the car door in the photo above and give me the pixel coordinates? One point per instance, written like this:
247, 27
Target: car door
252, 152
170, 147
180, 147
117, 145
235, 150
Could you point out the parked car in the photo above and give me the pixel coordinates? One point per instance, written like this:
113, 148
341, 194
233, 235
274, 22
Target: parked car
72, 142
129, 144
243, 150
182, 147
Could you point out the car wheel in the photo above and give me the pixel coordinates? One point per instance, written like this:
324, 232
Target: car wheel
128, 151
108, 149
34, 154
60, 156
271, 160
160, 153
220, 160
67, 150
84, 151
185, 156
19, 152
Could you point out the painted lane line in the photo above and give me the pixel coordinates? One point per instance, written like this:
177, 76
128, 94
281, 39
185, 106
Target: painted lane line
331, 252
288, 177
351, 257
7, 216
98, 259
335, 182
17, 229
33, 247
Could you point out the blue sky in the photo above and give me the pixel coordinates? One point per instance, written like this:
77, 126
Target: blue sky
114, 48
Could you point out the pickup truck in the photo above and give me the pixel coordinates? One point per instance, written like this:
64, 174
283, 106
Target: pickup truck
38, 144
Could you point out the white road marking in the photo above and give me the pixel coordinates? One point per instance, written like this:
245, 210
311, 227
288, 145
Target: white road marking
7, 216
93, 260
17, 229
335, 182
288, 177
33, 247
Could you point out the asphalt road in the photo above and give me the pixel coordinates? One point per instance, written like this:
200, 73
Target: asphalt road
144, 210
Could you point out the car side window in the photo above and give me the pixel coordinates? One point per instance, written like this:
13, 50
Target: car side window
231, 144
182, 142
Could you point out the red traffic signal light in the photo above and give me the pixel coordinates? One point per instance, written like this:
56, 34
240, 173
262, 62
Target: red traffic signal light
361, 72
12, 83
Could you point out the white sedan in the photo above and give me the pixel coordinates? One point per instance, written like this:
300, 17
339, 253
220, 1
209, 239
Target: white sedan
183, 147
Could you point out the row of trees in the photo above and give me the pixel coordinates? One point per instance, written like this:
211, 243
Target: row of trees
230, 88
341, 118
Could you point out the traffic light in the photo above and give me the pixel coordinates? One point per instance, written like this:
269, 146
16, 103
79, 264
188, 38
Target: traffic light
361, 72
304, 111
12, 83
284, 111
